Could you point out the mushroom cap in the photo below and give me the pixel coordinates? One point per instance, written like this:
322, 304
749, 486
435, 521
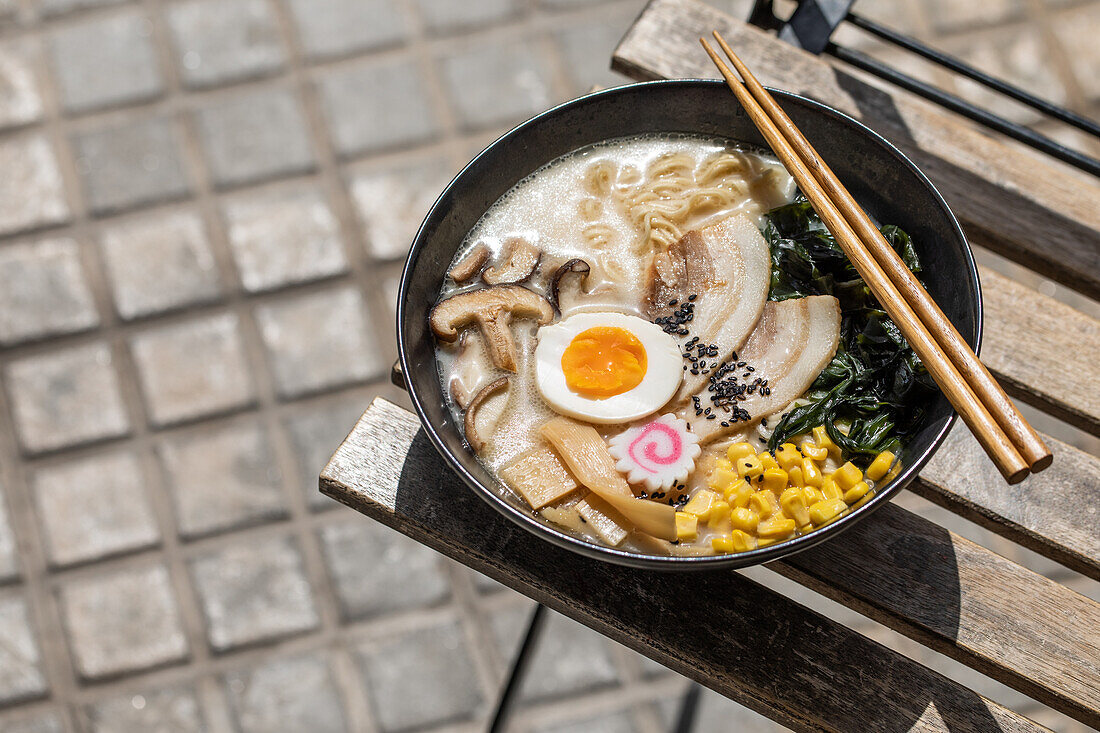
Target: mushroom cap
486, 305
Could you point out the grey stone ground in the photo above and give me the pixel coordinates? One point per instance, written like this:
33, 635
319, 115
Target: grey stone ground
203, 206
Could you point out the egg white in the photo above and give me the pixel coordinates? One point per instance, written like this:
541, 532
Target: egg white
664, 370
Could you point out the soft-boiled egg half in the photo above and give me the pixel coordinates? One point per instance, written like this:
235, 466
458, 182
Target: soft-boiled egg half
606, 367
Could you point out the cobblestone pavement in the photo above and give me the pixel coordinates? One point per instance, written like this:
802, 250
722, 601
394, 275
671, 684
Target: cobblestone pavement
203, 206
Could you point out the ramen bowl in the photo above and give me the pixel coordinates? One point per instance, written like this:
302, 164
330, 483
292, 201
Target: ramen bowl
881, 178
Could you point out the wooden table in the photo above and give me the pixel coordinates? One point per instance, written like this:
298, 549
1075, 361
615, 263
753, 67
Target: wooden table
790, 663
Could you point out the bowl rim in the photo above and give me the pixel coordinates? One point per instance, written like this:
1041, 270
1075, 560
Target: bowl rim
527, 519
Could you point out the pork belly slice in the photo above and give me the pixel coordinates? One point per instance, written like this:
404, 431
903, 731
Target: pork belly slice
727, 267
793, 342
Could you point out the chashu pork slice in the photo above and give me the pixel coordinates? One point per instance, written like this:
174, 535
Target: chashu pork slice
727, 267
793, 342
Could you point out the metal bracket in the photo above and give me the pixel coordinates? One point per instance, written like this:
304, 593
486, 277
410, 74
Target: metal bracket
813, 22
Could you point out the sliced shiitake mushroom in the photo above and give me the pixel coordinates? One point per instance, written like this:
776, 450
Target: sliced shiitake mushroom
471, 264
492, 310
520, 258
574, 265
469, 420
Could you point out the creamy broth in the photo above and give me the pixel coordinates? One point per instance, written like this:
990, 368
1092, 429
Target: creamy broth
660, 220
547, 209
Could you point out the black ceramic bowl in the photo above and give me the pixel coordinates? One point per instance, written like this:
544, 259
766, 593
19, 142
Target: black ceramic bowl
883, 180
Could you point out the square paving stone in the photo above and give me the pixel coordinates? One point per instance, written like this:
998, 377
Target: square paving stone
31, 192
373, 106
223, 479
950, 16
568, 4
586, 49
494, 84
67, 397
106, 61
314, 436
1075, 30
58, 7
9, 551
44, 291
93, 508
319, 341
286, 696
221, 41
254, 136
44, 723
159, 263
21, 676
447, 16
21, 101
615, 722
436, 659
377, 570
122, 623
252, 593
570, 658
392, 202
131, 164
284, 238
338, 27
166, 710
194, 369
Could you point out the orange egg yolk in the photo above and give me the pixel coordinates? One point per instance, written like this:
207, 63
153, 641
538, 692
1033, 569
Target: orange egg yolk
603, 362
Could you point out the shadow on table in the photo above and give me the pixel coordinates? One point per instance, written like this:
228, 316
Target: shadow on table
729, 633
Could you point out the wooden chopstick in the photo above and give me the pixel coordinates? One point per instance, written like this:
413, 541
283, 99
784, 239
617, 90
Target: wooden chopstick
993, 439
1019, 431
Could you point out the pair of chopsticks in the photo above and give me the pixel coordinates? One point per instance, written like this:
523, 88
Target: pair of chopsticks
1001, 430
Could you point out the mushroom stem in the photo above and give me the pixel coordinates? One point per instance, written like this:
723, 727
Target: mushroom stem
469, 420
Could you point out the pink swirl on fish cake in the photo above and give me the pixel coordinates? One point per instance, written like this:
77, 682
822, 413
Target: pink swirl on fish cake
659, 454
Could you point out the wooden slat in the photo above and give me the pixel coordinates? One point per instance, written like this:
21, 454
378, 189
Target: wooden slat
729, 633
1044, 352
1056, 512
965, 601
1015, 201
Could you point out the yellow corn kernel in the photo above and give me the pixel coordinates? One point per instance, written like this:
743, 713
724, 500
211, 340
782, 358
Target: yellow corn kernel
788, 456
856, 493
776, 527
687, 526
737, 494
893, 473
811, 474
742, 542
767, 460
794, 476
810, 495
719, 518
701, 504
824, 511
880, 466
764, 504
794, 506
847, 476
723, 543
738, 451
749, 468
810, 449
722, 477
830, 490
775, 479
744, 519
822, 439
765, 541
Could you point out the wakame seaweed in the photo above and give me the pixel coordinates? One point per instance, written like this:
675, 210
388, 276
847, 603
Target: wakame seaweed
875, 385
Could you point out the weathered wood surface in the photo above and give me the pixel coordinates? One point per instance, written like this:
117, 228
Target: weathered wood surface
1055, 513
1012, 200
733, 635
1043, 352
965, 601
